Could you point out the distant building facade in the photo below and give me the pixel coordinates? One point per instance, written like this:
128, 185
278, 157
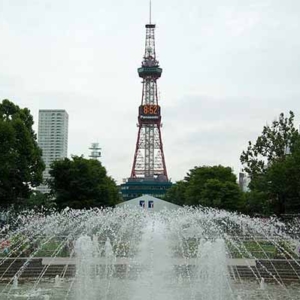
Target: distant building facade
244, 181
149, 203
136, 187
52, 139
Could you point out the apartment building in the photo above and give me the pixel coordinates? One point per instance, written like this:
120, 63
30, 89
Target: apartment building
52, 139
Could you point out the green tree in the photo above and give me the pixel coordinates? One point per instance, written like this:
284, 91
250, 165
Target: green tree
40, 201
198, 177
214, 186
256, 202
21, 164
82, 183
223, 195
271, 145
176, 194
283, 182
273, 163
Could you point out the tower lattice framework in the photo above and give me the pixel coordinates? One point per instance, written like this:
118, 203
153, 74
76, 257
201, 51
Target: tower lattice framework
149, 160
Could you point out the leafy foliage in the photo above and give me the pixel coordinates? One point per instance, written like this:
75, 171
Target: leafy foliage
207, 186
273, 164
283, 182
274, 142
81, 183
256, 202
222, 195
21, 165
40, 202
176, 194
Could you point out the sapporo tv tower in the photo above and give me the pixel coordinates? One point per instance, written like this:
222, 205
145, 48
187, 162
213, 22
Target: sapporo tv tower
149, 172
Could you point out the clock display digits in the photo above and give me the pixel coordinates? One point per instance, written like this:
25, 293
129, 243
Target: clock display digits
149, 111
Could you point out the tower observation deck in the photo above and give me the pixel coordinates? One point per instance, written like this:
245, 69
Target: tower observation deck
149, 172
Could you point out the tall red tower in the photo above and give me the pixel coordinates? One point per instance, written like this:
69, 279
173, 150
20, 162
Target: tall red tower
149, 160
149, 172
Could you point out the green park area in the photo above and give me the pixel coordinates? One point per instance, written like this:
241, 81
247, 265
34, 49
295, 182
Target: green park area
62, 247
260, 250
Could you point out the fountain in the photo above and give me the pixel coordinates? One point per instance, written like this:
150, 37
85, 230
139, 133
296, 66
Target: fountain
262, 284
57, 281
15, 283
129, 254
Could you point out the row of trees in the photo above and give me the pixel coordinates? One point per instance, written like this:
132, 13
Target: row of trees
273, 166
272, 163
207, 186
76, 182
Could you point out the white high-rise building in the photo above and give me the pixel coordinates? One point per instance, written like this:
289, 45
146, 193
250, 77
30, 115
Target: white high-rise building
52, 138
244, 181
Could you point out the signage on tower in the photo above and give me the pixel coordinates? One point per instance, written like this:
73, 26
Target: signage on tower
149, 111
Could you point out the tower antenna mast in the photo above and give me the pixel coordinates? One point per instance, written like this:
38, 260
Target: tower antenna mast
150, 12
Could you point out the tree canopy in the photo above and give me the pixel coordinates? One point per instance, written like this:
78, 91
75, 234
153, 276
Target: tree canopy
21, 164
273, 165
274, 143
82, 183
207, 186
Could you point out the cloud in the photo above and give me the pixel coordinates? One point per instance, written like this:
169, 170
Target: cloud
230, 67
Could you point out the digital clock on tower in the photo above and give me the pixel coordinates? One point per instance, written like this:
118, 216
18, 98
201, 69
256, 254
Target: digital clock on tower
149, 111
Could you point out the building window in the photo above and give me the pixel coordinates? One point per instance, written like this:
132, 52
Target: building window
151, 204
142, 203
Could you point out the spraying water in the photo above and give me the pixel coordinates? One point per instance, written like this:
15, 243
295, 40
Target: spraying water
128, 254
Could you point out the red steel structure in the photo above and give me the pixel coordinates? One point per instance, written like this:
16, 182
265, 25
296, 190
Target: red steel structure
149, 160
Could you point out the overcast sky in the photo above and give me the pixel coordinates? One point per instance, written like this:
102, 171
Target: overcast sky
229, 67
